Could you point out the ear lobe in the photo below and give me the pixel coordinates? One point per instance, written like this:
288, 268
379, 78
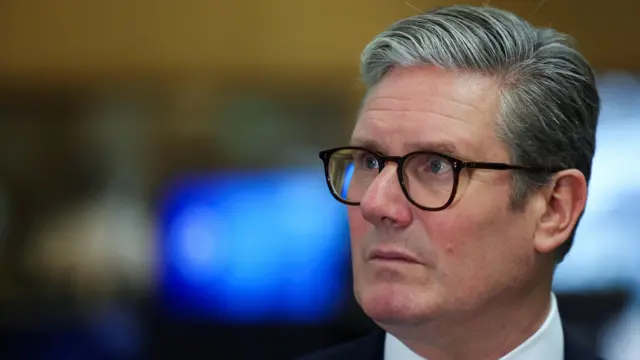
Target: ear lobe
566, 201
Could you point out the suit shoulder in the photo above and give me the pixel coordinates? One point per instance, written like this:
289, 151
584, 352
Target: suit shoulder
575, 350
369, 347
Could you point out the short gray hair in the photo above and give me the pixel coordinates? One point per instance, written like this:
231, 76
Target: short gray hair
549, 103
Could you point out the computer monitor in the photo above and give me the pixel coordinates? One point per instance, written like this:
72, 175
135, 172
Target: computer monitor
253, 246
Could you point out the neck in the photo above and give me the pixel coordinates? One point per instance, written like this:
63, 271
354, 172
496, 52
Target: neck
489, 333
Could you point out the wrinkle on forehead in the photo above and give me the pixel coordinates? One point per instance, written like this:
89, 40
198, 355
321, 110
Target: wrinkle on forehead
430, 105
403, 136
377, 107
452, 94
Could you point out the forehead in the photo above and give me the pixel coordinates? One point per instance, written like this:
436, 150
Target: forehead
432, 107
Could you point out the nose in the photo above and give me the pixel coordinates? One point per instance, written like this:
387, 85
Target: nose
384, 202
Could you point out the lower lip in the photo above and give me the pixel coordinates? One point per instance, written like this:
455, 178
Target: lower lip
393, 261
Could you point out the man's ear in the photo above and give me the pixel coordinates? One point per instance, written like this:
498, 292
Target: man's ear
565, 202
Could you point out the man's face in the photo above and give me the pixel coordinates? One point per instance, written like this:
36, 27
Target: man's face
474, 251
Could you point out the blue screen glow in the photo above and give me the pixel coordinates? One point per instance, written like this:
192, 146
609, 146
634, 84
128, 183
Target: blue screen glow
347, 181
254, 246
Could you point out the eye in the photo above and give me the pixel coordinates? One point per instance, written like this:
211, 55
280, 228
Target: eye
366, 160
434, 164
437, 166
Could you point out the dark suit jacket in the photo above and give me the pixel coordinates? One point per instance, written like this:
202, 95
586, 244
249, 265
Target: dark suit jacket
371, 347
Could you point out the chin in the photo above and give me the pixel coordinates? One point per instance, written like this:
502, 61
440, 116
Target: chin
396, 304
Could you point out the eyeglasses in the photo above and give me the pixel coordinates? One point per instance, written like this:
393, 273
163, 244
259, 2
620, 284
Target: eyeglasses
429, 180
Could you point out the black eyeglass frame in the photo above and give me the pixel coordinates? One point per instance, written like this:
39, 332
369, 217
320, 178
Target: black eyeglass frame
456, 164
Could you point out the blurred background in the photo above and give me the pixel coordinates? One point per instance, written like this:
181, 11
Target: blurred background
161, 194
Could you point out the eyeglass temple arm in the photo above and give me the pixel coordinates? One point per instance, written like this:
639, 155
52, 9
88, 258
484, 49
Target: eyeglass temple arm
501, 166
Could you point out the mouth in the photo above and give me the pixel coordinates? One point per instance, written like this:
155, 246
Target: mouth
393, 256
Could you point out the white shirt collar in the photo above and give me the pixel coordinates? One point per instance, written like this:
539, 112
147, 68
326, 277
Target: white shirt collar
546, 343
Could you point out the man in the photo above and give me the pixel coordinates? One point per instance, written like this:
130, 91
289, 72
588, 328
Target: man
466, 176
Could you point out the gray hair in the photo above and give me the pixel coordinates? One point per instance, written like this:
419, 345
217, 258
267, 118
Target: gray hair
549, 103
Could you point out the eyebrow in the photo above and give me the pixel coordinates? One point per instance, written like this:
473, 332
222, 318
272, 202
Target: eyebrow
441, 147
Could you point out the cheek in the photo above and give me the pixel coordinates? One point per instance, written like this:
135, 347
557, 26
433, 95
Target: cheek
479, 249
357, 224
450, 232
473, 226
358, 227
466, 243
